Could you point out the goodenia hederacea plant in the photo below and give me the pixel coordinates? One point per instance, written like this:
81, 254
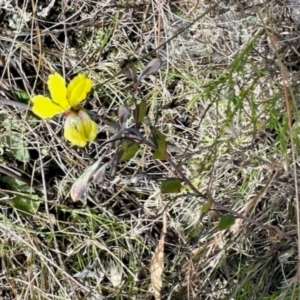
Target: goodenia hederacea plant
79, 128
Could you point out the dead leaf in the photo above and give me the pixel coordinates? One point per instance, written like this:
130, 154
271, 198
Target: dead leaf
99, 175
130, 73
94, 172
153, 66
82, 183
124, 114
157, 262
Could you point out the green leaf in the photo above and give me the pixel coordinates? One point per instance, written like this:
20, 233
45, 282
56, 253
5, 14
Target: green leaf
17, 185
171, 185
22, 96
160, 141
28, 205
18, 148
128, 150
226, 221
141, 110
206, 207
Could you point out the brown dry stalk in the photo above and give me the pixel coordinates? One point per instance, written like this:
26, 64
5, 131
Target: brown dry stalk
157, 262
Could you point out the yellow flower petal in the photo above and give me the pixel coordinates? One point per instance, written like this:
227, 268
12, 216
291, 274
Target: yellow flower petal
72, 131
79, 129
44, 107
90, 126
78, 88
58, 90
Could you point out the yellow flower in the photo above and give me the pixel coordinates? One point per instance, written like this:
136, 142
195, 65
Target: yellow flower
79, 128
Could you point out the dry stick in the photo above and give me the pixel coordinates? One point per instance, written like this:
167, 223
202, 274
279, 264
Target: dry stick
15, 104
6, 170
159, 23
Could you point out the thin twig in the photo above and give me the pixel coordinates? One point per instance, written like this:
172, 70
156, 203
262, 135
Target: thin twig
15, 104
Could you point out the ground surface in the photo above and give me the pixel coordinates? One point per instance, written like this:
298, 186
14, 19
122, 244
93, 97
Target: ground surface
226, 98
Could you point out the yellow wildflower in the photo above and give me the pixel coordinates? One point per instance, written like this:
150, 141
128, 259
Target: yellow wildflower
79, 128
